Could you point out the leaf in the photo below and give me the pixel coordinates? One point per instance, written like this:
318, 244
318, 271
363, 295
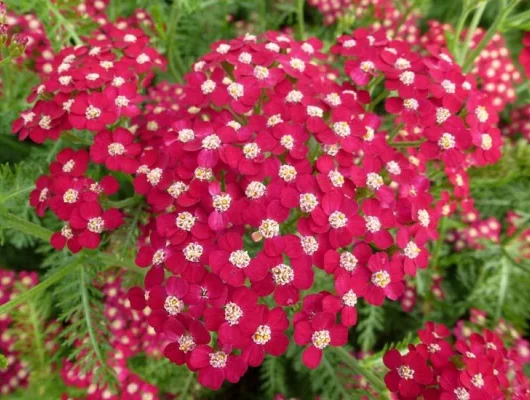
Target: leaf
3, 362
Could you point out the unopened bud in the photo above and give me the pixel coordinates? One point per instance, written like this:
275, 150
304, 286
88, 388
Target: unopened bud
3, 34
3, 12
17, 45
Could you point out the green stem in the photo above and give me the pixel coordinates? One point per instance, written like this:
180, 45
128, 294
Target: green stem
38, 336
16, 193
378, 99
375, 381
394, 133
495, 26
462, 52
45, 284
407, 144
439, 242
184, 393
65, 23
88, 316
300, 27
14, 222
459, 27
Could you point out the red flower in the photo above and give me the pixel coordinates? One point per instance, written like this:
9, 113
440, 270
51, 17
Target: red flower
319, 333
184, 336
233, 264
383, 277
92, 111
238, 311
166, 301
269, 337
70, 162
348, 290
408, 374
415, 255
92, 221
116, 150
215, 366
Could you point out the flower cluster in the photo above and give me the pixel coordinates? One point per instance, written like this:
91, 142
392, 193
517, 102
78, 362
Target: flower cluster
265, 165
477, 366
93, 87
384, 12
16, 374
493, 67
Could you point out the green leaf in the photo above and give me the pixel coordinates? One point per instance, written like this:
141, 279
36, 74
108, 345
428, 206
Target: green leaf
3, 362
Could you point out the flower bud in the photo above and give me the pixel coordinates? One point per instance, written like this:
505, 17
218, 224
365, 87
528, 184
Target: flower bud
3, 12
17, 45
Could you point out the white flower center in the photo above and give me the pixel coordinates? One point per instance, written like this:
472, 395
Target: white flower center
193, 252
274, 120
116, 149
185, 221
92, 112
287, 141
65, 80
261, 72
309, 245
314, 111
159, 257
447, 141
211, 142
442, 114
287, 173
177, 188
269, 228
208, 86
92, 77
262, 335
481, 113
233, 313
402, 63
336, 178
154, 176
342, 129
218, 359
129, 38
337, 220
66, 231
245, 58
308, 48
349, 43
143, 58
121, 101
461, 394
203, 173
68, 166
186, 343
43, 195
411, 104
70, 196
96, 225
173, 305
308, 202
381, 278
424, 218
221, 202
348, 261
407, 78
369, 135
393, 167
255, 190
223, 48
118, 81
321, 339
448, 86
239, 259
405, 372
411, 250
251, 151
434, 347
294, 96
349, 298
236, 90
477, 380
367, 66
297, 64
374, 181
373, 224
45, 122
282, 274
486, 142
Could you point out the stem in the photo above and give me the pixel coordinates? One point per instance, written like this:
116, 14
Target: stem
459, 28
378, 99
39, 339
88, 317
16, 193
300, 28
183, 394
495, 26
461, 56
407, 144
376, 382
65, 23
14, 222
35, 290
439, 242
